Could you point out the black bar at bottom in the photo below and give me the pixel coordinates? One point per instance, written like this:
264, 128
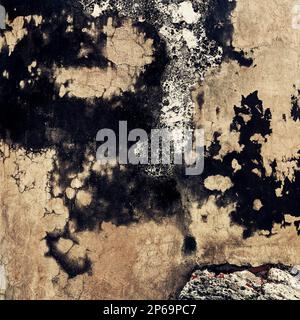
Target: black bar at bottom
89, 310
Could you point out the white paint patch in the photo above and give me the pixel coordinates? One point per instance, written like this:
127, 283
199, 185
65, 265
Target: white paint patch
184, 12
181, 74
97, 11
190, 38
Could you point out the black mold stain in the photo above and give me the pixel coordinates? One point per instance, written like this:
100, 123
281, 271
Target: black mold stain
247, 185
189, 245
73, 267
240, 57
295, 111
200, 100
36, 118
219, 28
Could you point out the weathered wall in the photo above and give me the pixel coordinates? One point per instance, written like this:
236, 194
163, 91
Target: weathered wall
70, 228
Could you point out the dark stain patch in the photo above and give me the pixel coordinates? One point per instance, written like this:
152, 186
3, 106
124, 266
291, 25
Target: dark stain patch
200, 100
189, 245
220, 29
295, 111
72, 266
248, 186
36, 118
297, 225
240, 57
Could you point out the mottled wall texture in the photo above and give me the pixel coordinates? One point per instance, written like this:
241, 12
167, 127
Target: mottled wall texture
73, 228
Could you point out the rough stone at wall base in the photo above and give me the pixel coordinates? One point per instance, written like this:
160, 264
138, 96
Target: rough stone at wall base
275, 284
